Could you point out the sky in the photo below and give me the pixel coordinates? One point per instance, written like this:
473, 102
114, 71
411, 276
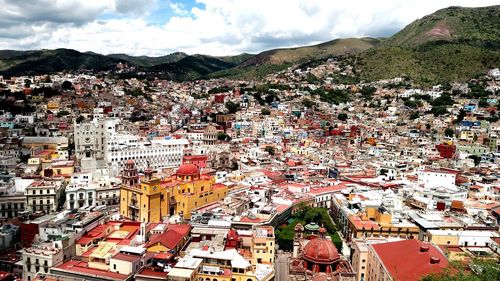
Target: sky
212, 27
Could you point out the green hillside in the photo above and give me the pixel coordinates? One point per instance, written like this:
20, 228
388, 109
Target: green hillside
453, 44
303, 54
48, 61
146, 61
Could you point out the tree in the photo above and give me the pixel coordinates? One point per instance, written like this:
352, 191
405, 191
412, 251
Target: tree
62, 113
27, 83
67, 85
476, 159
461, 115
270, 149
439, 110
367, 92
232, 107
342, 116
449, 132
308, 103
414, 115
483, 103
265, 111
79, 119
478, 270
223, 136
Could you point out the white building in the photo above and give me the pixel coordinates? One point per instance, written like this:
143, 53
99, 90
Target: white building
102, 139
465, 237
81, 192
39, 258
92, 136
44, 195
156, 154
436, 178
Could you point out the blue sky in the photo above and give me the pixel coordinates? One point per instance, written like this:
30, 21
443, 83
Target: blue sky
214, 27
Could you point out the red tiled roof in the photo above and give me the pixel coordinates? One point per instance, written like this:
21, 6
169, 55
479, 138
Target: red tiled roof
125, 257
81, 268
150, 272
405, 261
163, 256
172, 237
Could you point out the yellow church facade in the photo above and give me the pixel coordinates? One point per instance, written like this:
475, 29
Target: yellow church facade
151, 199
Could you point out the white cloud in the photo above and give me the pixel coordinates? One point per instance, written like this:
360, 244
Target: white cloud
178, 8
220, 27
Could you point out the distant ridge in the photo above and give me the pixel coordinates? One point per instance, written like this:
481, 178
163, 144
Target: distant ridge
452, 44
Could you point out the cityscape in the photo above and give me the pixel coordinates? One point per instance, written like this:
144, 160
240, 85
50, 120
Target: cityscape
362, 158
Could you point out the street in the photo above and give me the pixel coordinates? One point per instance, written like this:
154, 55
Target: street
282, 266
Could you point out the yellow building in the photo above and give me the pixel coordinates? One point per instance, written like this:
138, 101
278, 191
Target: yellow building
377, 222
53, 105
263, 246
226, 265
57, 168
152, 200
443, 237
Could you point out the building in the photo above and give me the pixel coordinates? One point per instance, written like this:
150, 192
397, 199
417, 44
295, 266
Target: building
227, 265
44, 196
39, 258
151, 199
460, 237
408, 260
104, 139
437, 178
12, 202
80, 192
92, 136
317, 258
359, 254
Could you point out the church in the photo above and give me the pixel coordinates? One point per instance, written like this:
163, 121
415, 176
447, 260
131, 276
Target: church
316, 258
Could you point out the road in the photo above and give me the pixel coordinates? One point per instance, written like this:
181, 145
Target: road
281, 268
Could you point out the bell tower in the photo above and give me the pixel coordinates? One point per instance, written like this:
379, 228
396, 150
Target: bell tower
298, 241
130, 176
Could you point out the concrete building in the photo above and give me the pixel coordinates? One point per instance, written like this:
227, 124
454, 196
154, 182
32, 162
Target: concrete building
151, 199
39, 258
408, 260
44, 196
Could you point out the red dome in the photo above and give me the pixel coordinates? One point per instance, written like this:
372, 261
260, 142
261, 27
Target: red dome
188, 170
321, 251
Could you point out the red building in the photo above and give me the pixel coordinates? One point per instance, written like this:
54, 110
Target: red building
219, 98
198, 160
28, 232
232, 240
409, 260
446, 150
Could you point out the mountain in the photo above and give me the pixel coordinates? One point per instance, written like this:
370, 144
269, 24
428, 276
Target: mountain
191, 67
146, 61
237, 59
453, 24
49, 61
452, 44
302, 54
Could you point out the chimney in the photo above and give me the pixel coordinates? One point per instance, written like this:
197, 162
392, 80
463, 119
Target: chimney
424, 248
148, 173
435, 260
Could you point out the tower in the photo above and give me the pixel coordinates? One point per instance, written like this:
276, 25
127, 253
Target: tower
130, 177
297, 241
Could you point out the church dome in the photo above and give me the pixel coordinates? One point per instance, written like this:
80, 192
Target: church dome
321, 250
188, 170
